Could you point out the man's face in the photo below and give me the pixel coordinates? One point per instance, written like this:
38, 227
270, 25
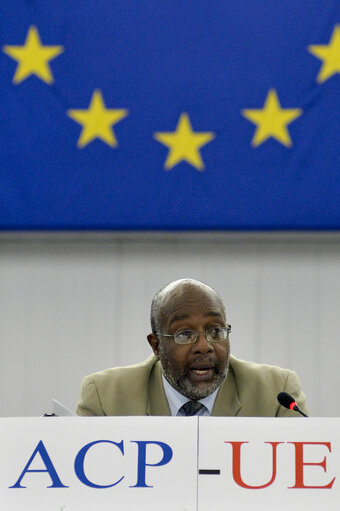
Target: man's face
197, 369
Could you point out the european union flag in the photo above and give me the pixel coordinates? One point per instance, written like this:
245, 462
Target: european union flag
196, 114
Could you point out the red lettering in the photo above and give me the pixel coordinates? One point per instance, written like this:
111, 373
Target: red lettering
300, 463
237, 465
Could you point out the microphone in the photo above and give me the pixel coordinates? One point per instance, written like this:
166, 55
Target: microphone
289, 402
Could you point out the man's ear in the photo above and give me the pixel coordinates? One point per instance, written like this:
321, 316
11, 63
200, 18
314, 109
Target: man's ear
154, 343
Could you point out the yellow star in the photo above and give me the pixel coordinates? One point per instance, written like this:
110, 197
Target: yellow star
33, 58
184, 144
329, 54
272, 120
97, 121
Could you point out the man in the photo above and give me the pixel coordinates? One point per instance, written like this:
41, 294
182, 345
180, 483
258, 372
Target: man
191, 371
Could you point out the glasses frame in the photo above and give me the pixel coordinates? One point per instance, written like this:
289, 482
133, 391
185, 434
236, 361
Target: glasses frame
226, 328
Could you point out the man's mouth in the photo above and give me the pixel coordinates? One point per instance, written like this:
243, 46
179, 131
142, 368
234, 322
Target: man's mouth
201, 373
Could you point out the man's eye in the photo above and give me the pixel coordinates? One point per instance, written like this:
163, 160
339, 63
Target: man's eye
184, 334
215, 332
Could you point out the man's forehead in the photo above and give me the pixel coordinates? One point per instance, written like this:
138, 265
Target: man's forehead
185, 300
173, 318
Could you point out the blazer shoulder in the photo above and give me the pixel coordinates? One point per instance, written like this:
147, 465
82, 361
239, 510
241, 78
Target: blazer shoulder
119, 374
258, 386
258, 372
117, 390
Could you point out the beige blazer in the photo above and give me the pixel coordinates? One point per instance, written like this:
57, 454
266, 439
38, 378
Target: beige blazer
249, 390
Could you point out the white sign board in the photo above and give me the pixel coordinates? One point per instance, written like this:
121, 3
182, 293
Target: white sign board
269, 463
169, 463
98, 464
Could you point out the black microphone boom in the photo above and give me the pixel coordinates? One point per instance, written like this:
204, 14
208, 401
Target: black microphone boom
289, 402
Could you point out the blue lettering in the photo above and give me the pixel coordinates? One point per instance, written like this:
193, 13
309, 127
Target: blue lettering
167, 455
41, 449
79, 463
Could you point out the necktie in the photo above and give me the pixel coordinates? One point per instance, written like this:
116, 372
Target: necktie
191, 407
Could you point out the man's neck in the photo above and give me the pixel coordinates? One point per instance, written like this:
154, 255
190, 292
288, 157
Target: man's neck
176, 400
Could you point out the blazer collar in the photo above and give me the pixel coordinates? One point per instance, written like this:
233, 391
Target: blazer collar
157, 401
227, 403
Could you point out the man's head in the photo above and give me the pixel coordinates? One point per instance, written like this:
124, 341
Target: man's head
196, 369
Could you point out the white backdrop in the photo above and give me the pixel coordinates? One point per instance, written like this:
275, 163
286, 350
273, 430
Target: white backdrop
74, 303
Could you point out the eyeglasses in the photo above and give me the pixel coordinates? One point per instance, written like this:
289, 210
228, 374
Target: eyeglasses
212, 334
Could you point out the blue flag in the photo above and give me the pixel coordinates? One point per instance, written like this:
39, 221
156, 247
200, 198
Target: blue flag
196, 114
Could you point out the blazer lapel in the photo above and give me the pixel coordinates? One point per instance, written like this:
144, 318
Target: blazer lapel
157, 401
227, 403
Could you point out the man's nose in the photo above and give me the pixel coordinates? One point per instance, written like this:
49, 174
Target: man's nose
202, 345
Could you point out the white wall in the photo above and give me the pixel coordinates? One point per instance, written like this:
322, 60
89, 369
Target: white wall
71, 304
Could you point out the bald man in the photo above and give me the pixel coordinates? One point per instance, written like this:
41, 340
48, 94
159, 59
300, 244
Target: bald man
191, 371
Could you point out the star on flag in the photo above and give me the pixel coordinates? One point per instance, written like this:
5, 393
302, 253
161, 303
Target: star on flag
184, 144
33, 58
272, 120
329, 54
97, 121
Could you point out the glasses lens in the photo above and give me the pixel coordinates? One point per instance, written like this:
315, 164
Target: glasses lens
185, 336
216, 334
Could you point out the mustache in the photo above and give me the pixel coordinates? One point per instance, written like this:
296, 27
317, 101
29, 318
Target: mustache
204, 361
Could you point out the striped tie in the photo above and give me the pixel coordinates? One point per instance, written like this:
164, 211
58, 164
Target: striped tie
191, 407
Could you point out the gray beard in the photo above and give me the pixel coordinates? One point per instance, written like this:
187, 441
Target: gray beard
180, 380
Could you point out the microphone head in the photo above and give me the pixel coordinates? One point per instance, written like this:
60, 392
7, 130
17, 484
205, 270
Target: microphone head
285, 399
